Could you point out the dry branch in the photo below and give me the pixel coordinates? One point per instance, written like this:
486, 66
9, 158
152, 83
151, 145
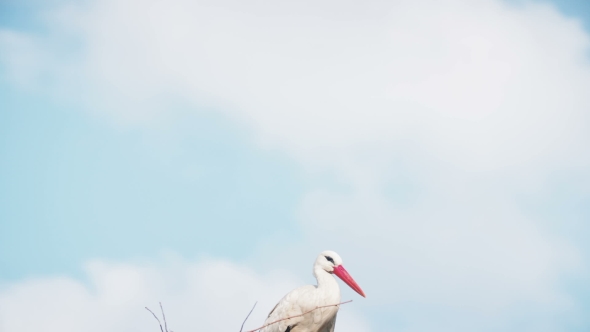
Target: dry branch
282, 319
241, 328
244, 322
164, 316
156, 317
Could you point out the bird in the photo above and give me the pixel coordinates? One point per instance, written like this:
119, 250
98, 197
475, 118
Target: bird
299, 304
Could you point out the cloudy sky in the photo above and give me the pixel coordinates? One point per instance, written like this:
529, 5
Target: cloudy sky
202, 153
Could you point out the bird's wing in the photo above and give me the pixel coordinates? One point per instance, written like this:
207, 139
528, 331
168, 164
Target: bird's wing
293, 304
331, 324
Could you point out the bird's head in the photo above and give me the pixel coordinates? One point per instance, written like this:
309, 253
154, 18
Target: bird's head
331, 262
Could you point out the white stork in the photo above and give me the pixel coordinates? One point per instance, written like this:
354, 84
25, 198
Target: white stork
306, 298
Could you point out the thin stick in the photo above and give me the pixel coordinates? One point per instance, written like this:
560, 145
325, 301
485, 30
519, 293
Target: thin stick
156, 317
318, 307
244, 322
165, 324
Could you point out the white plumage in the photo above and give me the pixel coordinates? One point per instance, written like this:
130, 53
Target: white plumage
306, 298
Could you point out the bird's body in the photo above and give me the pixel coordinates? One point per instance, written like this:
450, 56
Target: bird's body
312, 308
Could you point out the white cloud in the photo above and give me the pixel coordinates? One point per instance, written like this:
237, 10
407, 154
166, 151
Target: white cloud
473, 103
455, 253
211, 295
480, 85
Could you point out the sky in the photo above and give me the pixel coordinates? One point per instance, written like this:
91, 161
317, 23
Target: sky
202, 153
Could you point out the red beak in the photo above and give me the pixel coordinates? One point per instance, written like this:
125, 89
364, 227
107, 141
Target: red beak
343, 274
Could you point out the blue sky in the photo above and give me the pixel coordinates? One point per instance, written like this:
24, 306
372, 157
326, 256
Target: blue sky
446, 146
75, 188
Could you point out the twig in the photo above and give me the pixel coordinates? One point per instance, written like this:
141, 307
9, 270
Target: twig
282, 319
164, 316
244, 322
156, 317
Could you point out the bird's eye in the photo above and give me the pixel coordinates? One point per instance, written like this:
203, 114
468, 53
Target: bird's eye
329, 259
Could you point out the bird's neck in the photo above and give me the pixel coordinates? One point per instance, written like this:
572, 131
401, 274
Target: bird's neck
327, 283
